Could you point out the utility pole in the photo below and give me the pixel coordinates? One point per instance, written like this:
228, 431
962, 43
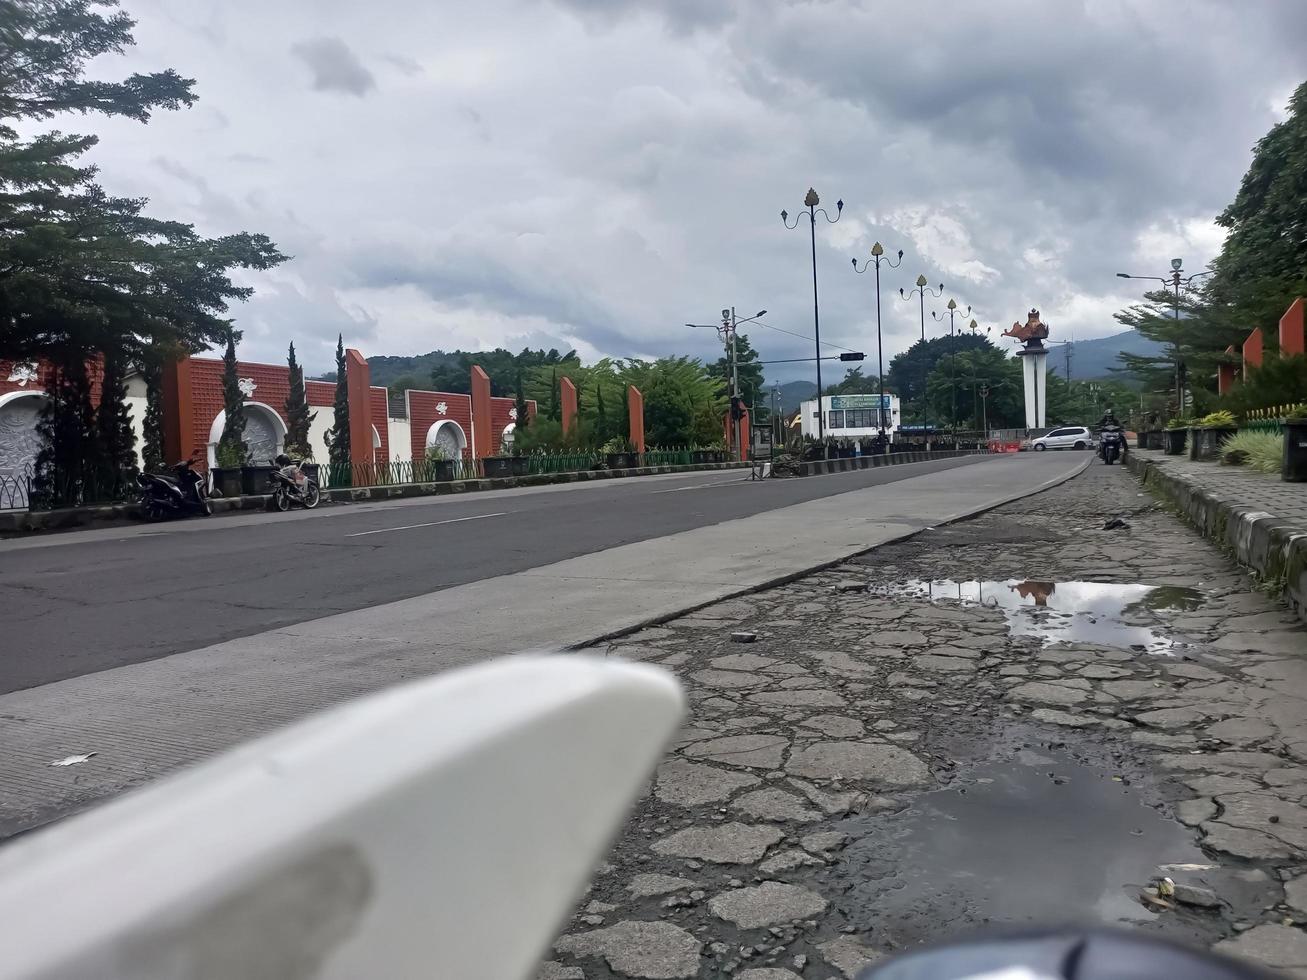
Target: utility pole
727, 332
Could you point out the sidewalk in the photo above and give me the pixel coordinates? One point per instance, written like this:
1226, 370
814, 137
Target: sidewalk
1259, 518
146, 719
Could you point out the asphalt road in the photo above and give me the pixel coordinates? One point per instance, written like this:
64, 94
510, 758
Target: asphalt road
87, 601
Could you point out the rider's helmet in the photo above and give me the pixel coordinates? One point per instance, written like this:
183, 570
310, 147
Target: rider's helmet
282, 459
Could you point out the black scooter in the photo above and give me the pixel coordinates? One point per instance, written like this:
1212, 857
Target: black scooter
289, 484
1111, 444
180, 495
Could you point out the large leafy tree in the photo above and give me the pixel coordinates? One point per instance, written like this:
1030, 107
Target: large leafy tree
855, 382
84, 274
116, 437
909, 370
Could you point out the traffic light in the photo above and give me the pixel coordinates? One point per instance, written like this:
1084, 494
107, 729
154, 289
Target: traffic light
853, 355
737, 408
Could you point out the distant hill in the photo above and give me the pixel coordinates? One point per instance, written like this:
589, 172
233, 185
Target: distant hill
385, 368
790, 394
1092, 359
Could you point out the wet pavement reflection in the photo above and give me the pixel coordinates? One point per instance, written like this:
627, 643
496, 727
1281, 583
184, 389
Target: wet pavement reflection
1113, 614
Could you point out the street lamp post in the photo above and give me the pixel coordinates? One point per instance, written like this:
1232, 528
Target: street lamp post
921, 291
952, 362
1175, 280
878, 256
727, 333
810, 201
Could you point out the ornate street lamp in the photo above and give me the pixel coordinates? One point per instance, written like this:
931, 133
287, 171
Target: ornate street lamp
810, 201
878, 256
1175, 280
921, 291
952, 361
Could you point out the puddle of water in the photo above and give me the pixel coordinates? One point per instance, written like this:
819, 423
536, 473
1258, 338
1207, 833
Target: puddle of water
1017, 848
1108, 613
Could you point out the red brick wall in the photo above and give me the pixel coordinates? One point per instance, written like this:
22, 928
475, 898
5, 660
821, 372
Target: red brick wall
499, 418
379, 414
44, 372
320, 394
422, 415
271, 388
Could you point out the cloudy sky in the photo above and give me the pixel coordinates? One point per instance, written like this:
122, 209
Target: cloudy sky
595, 173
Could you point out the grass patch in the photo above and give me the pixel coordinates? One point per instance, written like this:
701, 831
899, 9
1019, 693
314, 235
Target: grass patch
1260, 451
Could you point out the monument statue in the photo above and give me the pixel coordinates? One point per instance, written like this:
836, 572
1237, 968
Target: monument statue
1031, 333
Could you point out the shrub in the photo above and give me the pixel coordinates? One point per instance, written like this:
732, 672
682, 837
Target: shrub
1179, 423
1217, 420
1259, 450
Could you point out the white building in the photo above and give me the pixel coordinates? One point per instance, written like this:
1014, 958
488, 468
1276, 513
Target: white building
851, 416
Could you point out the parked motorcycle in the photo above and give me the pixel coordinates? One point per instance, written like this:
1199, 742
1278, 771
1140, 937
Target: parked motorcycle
179, 495
1111, 444
290, 485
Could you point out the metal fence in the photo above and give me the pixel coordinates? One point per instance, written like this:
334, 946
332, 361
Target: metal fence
562, 462
669, 457
20, 489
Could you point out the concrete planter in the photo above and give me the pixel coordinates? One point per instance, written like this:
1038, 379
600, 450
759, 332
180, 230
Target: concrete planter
622, 461
1175, 439
254, 479
1293, 466
442, 470
701, 456
498, 467
227, 480
1206, 443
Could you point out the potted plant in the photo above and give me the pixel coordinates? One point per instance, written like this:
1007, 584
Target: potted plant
618, 455
497, 467
440, 467
255, 476
1293, 468
701, 456
1209, 433
1176, 431
227, 472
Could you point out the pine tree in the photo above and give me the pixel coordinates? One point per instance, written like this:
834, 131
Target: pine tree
298, 416
68, 460
555, 412
602, 434
523, 410
231, 447
152, 424
115, 436
339, 447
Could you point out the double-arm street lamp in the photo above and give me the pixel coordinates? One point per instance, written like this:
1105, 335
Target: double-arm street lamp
878, 256
810, 201
921, 291
1175, 280
952, 361
727, 331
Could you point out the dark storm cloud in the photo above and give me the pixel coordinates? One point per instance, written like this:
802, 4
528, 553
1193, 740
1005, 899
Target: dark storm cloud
680, 16
334, 66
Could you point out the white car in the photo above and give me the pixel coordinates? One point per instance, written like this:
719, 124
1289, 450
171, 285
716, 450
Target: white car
1067, 437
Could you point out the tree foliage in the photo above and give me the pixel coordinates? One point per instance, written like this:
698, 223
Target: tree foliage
231, 445
909, 370
338, 446
747, 369
298, 416
115, 437
152, 424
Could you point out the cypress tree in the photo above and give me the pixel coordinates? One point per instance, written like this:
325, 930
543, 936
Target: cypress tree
555, 412
152, 424
114, 434
339, 448
231, 447
523, 411
68, 459
298, 416
601, 418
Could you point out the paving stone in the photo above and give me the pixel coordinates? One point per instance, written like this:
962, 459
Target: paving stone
767, 973
742, 661
799, 699
946, 664
836, 726
1196, 895
1243, 843
1103, 672
1221, 762
1131, 690
1193, 672
755, 751
775, 804
690, 784
768, 904
1288, 641
1193, 812
553, 970
881, 764
728, 679
1267, 813
1055, 717
653, 950
825, 842
848, 955
646, 885
1241, 731
801, 683
900, 638
1014, 670
1295, 894
1222, 785
832, 801
787, 861
1036, 692
1281, 947
729, 843
1168, 718
842, 663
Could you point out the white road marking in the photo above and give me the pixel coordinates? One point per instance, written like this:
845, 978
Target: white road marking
409, 527
702, 486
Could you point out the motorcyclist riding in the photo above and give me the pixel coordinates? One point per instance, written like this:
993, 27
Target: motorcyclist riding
1109, 423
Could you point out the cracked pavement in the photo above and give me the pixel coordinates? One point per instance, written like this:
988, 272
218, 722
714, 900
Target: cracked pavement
1014, 719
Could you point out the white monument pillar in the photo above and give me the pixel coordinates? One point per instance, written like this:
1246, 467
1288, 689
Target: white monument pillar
1034, 367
